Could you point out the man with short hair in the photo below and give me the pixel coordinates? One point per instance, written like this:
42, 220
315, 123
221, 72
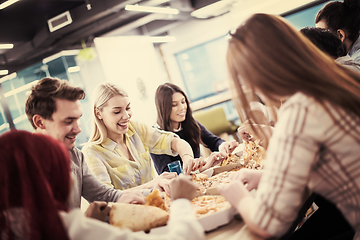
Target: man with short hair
331, 45
53, 108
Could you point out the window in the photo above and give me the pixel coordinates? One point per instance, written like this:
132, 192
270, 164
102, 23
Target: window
16, 92
4, 126
304, 18
203, 68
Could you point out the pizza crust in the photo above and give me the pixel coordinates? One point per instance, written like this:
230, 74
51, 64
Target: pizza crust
137, 217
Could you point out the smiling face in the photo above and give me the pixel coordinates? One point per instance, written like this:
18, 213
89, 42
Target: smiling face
178, 111
116, 116
64, 124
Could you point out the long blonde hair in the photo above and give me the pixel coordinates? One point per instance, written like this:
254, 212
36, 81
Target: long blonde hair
274, 58
102, 94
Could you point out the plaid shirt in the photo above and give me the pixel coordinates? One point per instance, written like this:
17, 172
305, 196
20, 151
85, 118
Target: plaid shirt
310, 148
108, 163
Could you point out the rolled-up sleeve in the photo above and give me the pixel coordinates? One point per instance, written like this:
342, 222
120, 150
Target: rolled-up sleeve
158, 141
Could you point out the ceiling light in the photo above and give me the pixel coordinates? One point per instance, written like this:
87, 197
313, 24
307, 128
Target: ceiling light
214, 9
8, 77
6, 46
138, 8
4, 126
60, 54
4, 72
74, 69
163, 39
20, 89
7, 3
20, 119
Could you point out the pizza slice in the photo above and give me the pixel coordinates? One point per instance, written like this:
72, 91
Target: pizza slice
137, 217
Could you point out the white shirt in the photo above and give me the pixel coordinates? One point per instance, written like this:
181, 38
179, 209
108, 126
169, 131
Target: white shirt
354, 51
181, 225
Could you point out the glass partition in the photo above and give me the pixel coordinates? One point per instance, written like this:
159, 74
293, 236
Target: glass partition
4, 126
203, 67
17, 89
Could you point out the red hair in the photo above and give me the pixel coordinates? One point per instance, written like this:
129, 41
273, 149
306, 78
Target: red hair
34, 186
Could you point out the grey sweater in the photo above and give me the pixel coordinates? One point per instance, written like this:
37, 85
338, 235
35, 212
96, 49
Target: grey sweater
86, 184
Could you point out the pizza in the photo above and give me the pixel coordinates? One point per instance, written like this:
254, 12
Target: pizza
154, 199
208, 204
205, 204
253, 158
137, 217
253, 155
233, 158
203, 182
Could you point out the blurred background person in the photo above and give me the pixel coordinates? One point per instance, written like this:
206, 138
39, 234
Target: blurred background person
331, 45
343, 20
174, 114
315, 143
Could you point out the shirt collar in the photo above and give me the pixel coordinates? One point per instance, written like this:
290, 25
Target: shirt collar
354, 47
179, 129
111, 145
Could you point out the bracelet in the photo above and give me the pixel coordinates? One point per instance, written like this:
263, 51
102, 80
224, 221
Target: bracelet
187, 154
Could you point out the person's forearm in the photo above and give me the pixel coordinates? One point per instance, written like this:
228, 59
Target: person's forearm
147, 185
181, 147
182, 222
245, 207
144, 191
184, 150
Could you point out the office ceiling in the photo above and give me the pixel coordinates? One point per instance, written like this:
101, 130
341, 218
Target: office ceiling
25, 24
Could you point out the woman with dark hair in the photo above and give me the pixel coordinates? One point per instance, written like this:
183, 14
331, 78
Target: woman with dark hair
343, 20
316, 141
35, 180
174, 115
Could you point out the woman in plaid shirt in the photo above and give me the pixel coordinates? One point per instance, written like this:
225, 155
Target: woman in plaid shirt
316, 141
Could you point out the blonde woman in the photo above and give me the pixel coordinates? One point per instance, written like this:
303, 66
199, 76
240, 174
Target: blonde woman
316, 141
118, 151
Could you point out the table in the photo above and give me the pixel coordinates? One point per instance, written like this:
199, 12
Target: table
225, 232
236, 229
